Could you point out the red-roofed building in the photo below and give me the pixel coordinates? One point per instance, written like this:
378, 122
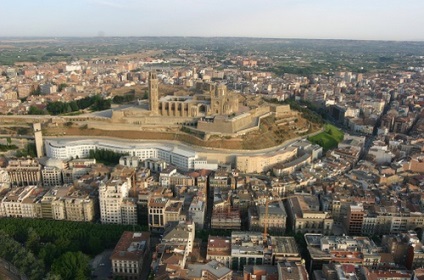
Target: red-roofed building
129, 254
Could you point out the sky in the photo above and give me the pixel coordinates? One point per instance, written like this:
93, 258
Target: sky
310, 19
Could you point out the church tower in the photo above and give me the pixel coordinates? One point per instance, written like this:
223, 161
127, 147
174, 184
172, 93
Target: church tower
218, 100
153, 93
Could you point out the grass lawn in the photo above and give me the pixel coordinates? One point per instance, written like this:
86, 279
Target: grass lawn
329, 138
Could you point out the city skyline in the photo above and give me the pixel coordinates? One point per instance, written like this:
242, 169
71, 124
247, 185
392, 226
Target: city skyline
306, 19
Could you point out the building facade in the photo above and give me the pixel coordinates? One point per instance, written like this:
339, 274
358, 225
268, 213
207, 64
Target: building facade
113, 203
129, 255
182, 158
24, 172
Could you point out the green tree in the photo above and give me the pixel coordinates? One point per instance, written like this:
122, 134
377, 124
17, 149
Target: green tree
35, 111
33, 241
9, 141
72, 265
48, 253
24, 260
52, 276
74, 106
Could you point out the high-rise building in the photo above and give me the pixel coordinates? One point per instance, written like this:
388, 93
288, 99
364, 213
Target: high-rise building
115, 207
354, 220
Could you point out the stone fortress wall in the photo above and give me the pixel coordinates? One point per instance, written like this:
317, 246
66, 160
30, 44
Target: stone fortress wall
243, 123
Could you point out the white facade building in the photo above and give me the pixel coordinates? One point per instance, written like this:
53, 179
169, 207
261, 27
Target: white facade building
4, 178
12, 203
181, 157
111, 199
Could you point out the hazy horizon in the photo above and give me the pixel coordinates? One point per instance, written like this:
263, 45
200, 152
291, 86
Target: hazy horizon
376, 20
201, 37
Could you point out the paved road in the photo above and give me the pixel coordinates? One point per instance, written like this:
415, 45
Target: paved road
8, 271
102, 266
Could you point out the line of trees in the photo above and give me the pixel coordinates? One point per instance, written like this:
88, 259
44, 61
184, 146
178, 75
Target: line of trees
118, 99
95, 103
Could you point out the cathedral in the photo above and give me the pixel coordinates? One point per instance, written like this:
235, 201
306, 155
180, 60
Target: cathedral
211, 100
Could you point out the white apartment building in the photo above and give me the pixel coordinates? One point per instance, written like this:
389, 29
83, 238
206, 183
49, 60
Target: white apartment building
12, 203
129, 211
115, 208
181, 157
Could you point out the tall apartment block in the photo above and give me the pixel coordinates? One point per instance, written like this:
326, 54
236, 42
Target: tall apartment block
115, 205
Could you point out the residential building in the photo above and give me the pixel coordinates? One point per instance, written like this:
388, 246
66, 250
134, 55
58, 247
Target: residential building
161, 211
247, 248
304, 215
52, 176
275, 218
354, 220
80, 206
197, 212
212, 270
24, 172
129, 255
292, 270
284, 249
12, 203
130, 161
341, 249
253, 272
219, 249
111, 198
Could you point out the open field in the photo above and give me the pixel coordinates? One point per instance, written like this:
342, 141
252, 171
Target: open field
329, 138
